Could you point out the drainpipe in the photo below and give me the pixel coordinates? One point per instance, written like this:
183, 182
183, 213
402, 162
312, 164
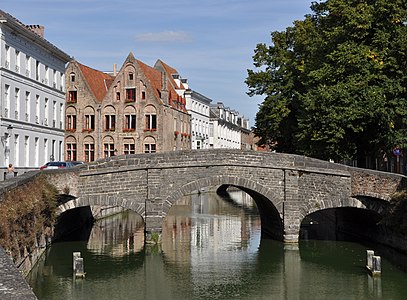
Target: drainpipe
284, 199
99, 109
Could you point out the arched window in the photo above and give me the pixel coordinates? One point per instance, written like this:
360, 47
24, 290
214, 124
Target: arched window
150, 115
108, 147
71, 148
89, 119
110, 118
129, 118
89, 148
70, 124
129, 146
149, 145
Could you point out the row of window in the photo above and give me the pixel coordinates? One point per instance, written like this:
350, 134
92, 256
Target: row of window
109, 149
21, 103
43, 73
110, 122
35, 151
200, 108
130, 96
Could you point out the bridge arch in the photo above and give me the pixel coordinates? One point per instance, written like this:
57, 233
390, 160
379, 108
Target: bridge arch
218, 180
268, 202
126, 201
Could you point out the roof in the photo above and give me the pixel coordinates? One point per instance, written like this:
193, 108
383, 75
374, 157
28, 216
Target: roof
98, 81
153, 75
30, 33
171, 71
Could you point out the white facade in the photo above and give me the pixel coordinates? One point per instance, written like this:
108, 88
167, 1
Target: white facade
225, 127
198, 106
32, 98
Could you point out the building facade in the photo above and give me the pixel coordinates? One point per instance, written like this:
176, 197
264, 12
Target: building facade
212, 126
134, 110
32, 92
227, 129
199, 107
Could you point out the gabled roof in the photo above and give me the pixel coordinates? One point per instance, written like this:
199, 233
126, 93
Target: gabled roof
98, 81
171, 71
154, 76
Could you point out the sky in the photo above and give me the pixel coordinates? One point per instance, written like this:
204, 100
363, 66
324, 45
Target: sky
209, 42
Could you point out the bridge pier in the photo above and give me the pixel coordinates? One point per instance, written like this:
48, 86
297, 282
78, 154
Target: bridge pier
291, 205
153, 228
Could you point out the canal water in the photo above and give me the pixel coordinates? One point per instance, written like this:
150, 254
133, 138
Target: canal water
211, 249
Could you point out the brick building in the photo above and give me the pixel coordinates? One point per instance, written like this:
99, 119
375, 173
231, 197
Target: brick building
134, 110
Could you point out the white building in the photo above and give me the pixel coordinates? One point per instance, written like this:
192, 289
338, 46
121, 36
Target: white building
32, 94
198, 106
212, 125
225, 127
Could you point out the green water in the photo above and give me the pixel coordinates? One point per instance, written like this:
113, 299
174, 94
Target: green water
211, 249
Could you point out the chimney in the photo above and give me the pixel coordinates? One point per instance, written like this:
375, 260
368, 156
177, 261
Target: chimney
164, 91
38, 29
114, 70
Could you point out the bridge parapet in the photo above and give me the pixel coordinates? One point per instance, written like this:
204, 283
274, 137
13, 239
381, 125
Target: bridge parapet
376, 184
211, 157
12, 183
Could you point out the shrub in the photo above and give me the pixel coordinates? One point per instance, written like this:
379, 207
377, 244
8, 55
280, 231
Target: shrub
25, 213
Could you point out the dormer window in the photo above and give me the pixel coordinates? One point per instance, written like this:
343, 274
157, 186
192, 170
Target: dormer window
72, 76
131, 76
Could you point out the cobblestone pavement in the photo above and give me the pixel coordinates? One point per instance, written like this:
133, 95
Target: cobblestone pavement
12, 283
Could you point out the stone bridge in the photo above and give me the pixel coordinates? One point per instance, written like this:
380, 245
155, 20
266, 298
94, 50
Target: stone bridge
285, 187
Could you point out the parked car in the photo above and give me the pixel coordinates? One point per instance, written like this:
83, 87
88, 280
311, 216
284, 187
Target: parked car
57, 165
75, 163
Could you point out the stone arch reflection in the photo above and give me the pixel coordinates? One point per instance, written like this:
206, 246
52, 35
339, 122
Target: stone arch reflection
341, 224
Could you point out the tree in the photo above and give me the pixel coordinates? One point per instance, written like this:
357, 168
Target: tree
335, 83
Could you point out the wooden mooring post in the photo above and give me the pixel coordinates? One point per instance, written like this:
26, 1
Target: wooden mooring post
78, 268
374, 265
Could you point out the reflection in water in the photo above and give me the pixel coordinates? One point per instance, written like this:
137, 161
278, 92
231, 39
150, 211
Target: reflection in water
211, 249
118, 235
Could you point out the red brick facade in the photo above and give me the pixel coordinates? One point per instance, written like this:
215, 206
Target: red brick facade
135, 111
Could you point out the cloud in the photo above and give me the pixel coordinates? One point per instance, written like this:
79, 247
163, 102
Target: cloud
165, 37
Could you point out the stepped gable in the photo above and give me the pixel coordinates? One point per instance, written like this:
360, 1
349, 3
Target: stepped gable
170, 70
175, 100
98, 81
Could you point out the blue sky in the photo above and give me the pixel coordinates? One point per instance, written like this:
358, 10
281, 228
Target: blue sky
209, 42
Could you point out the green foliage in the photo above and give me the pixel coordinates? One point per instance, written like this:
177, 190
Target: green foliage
25, 213
335, 83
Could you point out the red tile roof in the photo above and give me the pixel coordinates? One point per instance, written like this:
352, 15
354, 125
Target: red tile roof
154, 76
170, 71
98, 81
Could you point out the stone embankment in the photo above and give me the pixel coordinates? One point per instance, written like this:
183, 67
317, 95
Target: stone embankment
12, 283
